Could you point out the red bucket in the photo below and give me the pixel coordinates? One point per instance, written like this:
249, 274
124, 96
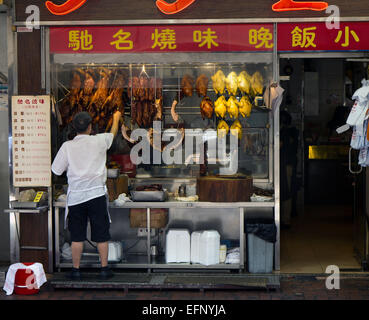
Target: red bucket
24, 282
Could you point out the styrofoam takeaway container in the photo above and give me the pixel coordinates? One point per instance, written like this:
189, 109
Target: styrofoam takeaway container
178, 246
209, 247
195, 246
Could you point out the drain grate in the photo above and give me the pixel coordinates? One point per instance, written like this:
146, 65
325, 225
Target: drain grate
165, 281
223, 281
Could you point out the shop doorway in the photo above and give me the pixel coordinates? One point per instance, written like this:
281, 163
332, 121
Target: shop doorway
323, 220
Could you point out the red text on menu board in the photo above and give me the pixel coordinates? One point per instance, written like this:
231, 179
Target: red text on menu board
179, 5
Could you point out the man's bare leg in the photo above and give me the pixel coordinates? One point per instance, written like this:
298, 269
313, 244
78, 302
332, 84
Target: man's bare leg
103, 248
77, 249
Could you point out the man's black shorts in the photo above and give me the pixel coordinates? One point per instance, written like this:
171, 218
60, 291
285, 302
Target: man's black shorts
97, 212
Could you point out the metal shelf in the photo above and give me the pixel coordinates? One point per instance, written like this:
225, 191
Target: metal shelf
36, 210
179, 204
141, 262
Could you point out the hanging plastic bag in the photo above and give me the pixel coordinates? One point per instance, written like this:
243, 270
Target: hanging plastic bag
357, 141
362, 94
360, 107
357, 113
366, 163
363, 157
364, 133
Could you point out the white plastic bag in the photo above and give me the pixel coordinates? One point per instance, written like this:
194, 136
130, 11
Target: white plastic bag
357, 113
122, 199
233, 256
362, 94
357, 140
363, 157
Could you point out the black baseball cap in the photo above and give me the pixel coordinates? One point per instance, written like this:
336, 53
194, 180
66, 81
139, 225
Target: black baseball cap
81, 121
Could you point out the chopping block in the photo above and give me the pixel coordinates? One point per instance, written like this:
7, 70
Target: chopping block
236, 188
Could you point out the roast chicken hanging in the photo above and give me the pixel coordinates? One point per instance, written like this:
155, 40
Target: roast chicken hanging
232, 83
218, 82
232, 107
187, 85
257, 83
236, 129
245, 107
244, 83
222, 129
220, 107
202, 85
206, 108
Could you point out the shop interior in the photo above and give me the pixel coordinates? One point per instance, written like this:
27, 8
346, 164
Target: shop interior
182, 92
323, 219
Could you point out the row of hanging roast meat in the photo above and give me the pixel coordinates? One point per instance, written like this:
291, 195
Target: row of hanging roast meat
103, 91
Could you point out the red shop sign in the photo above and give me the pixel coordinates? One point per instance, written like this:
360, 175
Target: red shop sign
352, 36
163, 38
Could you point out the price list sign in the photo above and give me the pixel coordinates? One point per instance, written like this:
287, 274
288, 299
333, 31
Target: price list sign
31, 141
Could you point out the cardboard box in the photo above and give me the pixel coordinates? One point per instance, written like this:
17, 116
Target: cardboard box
117, 186
158, 218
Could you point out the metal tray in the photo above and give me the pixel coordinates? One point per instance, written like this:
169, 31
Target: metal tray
141, 196
27, 205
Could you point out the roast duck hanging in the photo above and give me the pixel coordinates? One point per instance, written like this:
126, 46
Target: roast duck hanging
99, 92
146, 107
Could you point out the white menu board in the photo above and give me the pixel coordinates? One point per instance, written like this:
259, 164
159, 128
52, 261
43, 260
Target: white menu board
31, 141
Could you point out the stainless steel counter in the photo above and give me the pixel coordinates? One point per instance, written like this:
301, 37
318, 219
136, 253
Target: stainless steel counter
180, 204
148, 262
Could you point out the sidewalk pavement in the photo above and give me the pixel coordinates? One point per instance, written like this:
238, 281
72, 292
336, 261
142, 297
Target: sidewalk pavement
293, 287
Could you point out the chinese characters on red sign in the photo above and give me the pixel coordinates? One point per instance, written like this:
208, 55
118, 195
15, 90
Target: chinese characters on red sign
316, 37
31, 141
210, 38
181, 38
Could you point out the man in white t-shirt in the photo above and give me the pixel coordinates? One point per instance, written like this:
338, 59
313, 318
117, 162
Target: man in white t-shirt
84, 159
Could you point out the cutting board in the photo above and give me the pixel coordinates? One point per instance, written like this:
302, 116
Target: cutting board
224, 188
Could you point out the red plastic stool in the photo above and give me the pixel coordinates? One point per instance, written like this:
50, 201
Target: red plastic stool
24, 282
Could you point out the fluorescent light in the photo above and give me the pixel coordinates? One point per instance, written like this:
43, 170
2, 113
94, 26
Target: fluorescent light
358, 60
